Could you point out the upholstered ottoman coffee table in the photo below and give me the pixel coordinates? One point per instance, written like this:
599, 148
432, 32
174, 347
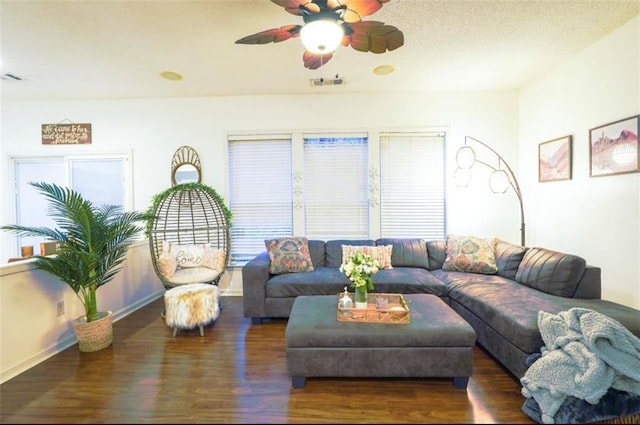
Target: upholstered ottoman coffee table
436, 343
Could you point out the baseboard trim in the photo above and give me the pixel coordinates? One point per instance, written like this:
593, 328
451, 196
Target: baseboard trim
68, 341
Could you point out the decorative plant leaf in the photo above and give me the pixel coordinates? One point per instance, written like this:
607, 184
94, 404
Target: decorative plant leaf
274, 35
92, 241
314, 61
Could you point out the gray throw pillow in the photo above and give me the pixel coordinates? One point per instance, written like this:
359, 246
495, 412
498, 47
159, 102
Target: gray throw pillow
508, 258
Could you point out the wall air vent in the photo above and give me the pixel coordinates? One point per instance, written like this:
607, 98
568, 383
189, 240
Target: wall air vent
337, 81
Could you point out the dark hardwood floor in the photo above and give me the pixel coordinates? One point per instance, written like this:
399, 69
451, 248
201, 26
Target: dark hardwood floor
236, 373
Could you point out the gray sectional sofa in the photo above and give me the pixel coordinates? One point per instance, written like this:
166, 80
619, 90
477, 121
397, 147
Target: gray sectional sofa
502, 307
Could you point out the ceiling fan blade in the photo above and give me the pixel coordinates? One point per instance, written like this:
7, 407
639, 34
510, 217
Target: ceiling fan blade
274, 35
356, 9
295, 6
375, 37
315, 61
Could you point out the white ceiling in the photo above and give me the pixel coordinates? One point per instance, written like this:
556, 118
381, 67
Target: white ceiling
117, 49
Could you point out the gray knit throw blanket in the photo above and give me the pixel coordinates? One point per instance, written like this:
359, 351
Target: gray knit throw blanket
585, 354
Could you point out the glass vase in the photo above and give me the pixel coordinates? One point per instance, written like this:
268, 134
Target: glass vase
361, 296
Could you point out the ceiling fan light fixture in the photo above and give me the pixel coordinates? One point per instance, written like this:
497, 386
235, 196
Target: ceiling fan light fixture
321, 36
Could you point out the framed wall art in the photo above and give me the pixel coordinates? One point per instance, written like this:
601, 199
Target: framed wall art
613, 148
554, 159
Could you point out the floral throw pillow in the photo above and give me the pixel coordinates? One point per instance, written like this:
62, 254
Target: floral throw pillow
470, 254
289, 255
382, 253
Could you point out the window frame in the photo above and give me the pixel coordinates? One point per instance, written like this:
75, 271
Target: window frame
14, 243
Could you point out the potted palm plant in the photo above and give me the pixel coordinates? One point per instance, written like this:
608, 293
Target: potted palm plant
92, 245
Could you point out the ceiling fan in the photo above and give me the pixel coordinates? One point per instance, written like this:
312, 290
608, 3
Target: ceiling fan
340, 19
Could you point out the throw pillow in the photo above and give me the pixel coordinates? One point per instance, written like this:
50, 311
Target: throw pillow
470, 254
167, 266
289, 255
381, 253
213, 258
508, 258
188, 255
200, 255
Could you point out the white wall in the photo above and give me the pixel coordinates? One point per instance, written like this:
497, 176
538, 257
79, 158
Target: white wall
153, 129
597, 218
31, 331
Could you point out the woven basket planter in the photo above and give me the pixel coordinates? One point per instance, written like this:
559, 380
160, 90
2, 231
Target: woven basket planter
96, 335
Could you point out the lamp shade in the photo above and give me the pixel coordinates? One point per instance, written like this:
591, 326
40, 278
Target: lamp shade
321, 36
499, 181
465, 157
462, 177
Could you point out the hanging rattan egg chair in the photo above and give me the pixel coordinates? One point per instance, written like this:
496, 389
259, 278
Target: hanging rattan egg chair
189, 234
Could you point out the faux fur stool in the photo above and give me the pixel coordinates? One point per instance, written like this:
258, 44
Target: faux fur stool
192, 305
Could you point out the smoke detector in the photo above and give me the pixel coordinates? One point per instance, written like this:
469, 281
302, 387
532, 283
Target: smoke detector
337, 81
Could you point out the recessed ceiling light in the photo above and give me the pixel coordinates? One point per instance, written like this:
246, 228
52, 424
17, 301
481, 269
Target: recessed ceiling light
170, 75
383, 69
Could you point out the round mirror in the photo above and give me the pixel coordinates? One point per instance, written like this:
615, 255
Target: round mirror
185, 166
186, 173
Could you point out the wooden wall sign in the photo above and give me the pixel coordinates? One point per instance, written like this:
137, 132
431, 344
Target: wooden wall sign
66, 134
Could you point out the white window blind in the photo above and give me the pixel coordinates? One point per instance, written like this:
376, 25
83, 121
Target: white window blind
412, 185
259, 193
335, 187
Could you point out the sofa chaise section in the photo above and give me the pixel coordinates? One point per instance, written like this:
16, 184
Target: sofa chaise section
502, 307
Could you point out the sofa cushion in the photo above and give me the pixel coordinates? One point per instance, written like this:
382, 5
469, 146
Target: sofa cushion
289, 255
316, 250
409, 280
550, 271
470, 254
330, 281
437, 251
509, 308
407, 252
380, 253
194, 274
321, 281
333, 249
508, 258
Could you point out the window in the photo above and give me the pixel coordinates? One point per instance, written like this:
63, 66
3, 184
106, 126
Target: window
335, 187
260, 195
412, 173
102, 179
330, 186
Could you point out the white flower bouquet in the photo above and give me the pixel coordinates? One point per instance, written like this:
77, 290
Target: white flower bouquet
359, 268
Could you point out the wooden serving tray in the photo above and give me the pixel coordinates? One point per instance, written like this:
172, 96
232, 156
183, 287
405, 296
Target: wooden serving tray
396, 310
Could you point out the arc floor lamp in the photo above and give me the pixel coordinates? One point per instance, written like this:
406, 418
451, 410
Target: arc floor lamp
499, 180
